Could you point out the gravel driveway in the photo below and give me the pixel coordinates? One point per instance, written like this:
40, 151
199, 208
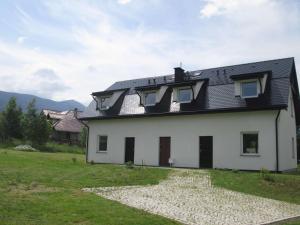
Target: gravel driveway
188, 197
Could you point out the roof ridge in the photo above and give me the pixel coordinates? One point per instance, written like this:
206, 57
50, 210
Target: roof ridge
242, 64
153, 77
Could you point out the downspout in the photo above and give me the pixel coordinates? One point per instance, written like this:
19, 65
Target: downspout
277, 151
87, 142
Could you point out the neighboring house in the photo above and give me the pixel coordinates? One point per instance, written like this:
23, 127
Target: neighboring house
66, 127
236, 117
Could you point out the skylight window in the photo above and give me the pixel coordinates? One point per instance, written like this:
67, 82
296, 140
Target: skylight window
150, 98
185, 95
249, 89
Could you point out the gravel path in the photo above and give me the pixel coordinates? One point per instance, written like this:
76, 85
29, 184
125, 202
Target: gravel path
188, 197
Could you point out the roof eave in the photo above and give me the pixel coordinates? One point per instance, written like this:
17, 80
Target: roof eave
224, 110
107, 92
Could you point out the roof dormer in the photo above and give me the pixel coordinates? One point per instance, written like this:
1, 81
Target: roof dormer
106, 99
187, 92
250, 85
151, 95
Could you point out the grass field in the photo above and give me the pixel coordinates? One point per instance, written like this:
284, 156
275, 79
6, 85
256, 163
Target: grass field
44, 188
50, 146
284, 187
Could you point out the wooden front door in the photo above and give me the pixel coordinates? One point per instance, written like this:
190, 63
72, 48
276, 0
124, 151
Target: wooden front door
129, 149
164, 150
206, 151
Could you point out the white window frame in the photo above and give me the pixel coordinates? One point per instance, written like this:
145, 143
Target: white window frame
98, 143
248, 81
184, 88
100, 102
149, 92
242, 143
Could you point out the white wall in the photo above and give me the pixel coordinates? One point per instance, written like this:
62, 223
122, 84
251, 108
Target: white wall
287, 130
225, 128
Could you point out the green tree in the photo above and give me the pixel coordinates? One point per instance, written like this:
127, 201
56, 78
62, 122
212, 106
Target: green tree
83, 136
11, 120
1, 128
35, 125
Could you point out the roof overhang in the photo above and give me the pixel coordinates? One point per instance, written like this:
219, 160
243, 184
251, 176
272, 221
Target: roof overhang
221, 110
108, 92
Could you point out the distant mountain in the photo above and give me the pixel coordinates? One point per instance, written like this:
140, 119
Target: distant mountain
41, 103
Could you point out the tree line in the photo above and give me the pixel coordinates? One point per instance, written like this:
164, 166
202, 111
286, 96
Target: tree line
30, 125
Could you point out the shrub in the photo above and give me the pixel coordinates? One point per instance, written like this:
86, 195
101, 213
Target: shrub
129, 165
266, 175
74, 160
83, 136
56, 147
92, 162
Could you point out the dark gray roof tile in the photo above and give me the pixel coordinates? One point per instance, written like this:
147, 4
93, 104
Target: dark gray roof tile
219, 91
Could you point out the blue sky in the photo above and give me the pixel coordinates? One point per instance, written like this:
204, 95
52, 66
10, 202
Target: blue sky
66, 49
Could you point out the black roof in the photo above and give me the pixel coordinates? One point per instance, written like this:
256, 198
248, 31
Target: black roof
217, 95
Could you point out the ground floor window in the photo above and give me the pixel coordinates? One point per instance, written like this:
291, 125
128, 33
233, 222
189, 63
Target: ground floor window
102, 141
250, 142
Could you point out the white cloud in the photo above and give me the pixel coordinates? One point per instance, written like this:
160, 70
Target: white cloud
106, 51
124, 2
219, 7
21, 39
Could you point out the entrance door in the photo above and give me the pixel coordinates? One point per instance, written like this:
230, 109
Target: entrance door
206, 151
164, 150
129, 149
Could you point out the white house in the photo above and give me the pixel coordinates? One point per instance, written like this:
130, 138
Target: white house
236, 117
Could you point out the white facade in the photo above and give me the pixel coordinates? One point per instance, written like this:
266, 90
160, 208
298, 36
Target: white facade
184, 130
287, 135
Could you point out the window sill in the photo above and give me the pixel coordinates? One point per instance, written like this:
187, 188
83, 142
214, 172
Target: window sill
253, 96
250, 154
150, 105
184, 101
101, 151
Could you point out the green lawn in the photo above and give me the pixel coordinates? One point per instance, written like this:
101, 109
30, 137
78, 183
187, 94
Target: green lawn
44, 188
285, 187
66, 148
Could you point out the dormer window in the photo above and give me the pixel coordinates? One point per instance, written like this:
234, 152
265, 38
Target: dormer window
104, 102
249, 89
150, 98
250, 85
185, 95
